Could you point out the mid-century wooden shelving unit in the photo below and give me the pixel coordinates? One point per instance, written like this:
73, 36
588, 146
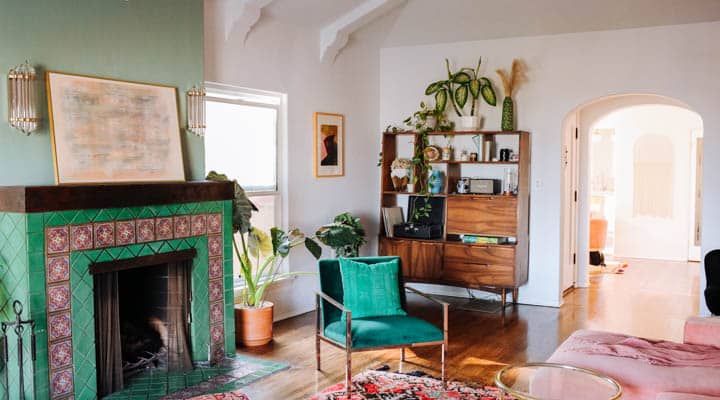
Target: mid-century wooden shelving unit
496, 268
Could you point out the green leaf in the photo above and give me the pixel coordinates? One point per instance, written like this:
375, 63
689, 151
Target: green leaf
461, 78
434, 87
441, 101
487, 91
313, 248
242, 206
461, 95
281, 244
475, 88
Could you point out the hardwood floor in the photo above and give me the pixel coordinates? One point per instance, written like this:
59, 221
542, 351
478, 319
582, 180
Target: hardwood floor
651, 299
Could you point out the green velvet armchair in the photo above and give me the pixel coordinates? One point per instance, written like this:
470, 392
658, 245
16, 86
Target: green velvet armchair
370, 333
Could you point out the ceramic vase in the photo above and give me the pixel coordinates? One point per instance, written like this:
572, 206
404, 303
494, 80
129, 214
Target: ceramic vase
508, 115
468, 123
254, 326
436, 182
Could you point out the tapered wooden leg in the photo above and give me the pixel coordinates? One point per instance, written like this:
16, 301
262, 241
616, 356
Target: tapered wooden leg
515, 295
503, 297
402, 354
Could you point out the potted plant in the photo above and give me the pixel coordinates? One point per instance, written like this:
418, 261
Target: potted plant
261, 255
344, 235
458, 88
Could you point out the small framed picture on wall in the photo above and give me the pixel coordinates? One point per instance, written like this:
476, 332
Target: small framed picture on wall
329, 143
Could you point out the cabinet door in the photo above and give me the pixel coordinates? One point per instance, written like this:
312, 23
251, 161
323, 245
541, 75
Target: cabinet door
427, 260
488, 215
397, 247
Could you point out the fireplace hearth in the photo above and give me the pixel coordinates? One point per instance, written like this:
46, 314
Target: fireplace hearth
66, 245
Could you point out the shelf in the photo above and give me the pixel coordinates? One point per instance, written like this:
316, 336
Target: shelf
457, 133
474, 162
449, 242
412, 193
494, 196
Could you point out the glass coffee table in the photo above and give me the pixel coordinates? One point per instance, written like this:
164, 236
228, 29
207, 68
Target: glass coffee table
547, 381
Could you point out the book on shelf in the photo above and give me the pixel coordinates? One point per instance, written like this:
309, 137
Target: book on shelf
478, 239
391, 217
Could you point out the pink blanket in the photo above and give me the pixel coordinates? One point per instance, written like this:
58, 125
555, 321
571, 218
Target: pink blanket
661, 353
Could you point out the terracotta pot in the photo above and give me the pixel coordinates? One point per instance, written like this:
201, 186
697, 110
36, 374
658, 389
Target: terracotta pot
253, 326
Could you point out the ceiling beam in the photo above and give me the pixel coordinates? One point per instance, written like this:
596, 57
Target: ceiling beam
334, 36
240, 15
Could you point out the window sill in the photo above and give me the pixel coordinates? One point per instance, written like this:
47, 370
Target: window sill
279, 283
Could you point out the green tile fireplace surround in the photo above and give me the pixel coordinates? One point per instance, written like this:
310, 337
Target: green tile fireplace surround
49, 237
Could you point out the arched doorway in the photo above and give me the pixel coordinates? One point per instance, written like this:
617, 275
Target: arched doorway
644, 150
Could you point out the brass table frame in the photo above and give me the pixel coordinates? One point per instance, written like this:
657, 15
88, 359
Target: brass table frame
504, 389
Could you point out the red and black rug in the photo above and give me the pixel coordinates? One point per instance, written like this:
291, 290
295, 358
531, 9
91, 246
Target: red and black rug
382, 385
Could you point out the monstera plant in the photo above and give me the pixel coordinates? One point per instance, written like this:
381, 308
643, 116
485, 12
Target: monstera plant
462, 88
261, 255
345, 235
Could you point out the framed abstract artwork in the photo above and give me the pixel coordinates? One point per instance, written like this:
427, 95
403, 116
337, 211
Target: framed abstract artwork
329, 144
112, 131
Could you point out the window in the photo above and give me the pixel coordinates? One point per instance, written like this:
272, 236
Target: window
242, 141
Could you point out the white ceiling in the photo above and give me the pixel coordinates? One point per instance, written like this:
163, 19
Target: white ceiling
435, 21
439, 21
309, 13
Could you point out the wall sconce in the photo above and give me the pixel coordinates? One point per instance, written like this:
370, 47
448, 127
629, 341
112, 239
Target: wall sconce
23, 111
196, 110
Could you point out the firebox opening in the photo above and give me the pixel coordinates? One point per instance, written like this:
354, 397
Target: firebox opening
141, 317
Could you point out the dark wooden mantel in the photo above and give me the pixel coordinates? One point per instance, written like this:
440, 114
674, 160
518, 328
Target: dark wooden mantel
29, 199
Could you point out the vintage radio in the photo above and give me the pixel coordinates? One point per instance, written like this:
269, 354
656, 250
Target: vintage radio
485, 186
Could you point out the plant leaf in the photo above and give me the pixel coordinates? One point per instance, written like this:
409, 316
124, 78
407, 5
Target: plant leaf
475, 88
242, 206
487, 91
280, 242
461, 95
461, 78
441, 101
434, 87
313, 248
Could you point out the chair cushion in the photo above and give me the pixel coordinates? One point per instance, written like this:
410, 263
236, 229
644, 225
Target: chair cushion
384, 331
370, 290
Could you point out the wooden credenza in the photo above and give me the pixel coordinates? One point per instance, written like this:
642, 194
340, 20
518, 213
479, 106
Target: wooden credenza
448, 261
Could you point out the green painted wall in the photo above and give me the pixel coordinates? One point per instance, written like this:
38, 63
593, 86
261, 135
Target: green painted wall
158, 41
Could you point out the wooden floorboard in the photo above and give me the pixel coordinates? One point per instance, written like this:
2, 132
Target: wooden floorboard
651, 299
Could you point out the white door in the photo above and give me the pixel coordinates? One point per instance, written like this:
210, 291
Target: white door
694, 253
569, 203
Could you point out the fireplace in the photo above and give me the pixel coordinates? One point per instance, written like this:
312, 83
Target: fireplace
163, 249
147, 300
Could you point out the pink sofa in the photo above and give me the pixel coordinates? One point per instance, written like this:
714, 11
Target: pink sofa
643, 381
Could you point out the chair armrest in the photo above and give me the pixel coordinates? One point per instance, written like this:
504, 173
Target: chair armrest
427, 296
703, 330
334, 303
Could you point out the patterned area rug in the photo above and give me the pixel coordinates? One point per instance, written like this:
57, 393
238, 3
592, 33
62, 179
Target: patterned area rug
223, 396
381, 385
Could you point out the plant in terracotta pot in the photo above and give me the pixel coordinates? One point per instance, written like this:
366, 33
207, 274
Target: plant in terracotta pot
261, 255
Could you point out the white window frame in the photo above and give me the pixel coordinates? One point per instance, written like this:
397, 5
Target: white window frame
218, 92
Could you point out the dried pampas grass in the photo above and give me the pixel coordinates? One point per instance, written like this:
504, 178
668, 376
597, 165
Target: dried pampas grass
515, 78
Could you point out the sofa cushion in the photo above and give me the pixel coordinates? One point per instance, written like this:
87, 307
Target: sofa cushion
370, 290
684, 396
639, 379
384, 331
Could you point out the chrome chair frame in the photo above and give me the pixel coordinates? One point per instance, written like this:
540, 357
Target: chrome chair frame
320, 336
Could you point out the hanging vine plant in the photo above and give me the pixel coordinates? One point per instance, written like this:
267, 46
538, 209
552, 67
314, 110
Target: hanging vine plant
423, 121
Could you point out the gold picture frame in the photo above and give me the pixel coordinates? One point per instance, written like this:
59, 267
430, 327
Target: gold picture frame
113, 131
328, 145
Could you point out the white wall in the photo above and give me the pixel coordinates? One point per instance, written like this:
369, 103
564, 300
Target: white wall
566, 71
644, 236
286, 58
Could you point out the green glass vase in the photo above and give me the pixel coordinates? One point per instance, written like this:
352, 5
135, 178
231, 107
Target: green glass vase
508, 115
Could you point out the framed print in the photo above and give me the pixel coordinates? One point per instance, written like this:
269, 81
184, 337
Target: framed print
112, 131
329, 145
